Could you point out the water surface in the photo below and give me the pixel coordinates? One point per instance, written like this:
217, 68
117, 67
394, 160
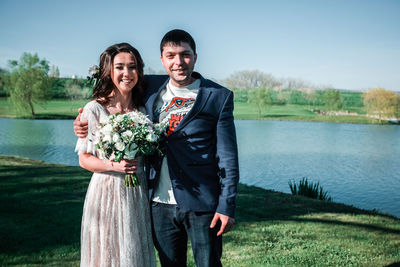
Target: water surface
357, 164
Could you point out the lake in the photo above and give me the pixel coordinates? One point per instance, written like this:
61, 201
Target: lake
357, 164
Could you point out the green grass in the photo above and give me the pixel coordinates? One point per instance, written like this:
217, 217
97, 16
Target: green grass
41, 208
53, 109
245, 111
67, 109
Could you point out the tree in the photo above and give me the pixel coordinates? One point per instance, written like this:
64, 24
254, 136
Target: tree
332, 99
54, 72
76, 92
283, 96
319, 97
251, 79
311, 96
296, 97
261, 98
4, 77
28, 82
295, 84
241, 95
381, 102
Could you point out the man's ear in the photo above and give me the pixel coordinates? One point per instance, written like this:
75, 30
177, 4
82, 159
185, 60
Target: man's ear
162, 61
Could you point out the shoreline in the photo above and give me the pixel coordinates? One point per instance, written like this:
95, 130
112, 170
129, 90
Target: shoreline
330, 119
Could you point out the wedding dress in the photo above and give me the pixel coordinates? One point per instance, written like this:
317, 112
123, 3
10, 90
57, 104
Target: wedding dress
116, 226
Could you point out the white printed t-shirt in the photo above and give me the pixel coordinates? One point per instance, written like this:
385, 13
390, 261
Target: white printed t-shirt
172, 105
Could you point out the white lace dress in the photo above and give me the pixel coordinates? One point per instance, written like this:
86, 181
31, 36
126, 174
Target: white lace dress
116, 226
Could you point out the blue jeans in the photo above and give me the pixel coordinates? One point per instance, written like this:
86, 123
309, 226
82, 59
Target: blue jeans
171, 228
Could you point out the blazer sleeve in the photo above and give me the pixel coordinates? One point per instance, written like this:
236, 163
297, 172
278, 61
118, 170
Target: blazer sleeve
227, 154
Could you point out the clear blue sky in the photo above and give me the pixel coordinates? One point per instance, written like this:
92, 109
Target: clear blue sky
353, 44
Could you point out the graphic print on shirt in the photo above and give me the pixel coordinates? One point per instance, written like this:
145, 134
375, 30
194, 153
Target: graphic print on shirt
175, 111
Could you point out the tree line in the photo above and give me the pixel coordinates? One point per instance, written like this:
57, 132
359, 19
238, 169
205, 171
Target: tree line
31, 80
263, 90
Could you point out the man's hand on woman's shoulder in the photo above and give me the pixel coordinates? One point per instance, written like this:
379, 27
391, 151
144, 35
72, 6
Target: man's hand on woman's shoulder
80, 127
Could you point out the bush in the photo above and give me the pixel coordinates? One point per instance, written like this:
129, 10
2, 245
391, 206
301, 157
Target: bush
333, 99
309, 189
241, 95
60, 86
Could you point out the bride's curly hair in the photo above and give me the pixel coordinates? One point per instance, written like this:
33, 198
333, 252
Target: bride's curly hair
105, 86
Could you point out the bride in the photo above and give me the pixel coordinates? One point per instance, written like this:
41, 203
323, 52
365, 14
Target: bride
116, 227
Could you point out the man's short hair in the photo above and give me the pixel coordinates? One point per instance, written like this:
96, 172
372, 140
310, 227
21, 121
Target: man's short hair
176, 37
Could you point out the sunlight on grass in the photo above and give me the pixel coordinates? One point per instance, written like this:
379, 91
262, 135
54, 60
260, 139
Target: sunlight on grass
42, 208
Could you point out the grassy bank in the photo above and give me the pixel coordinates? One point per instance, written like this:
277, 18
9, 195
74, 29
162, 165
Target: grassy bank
42, 206
244, 111
54, 109
67, 109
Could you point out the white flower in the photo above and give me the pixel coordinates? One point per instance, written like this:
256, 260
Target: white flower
120, 146
107, 129
126, 136
151, 137
116, 137
94, 70
140, 118
119, 118
121, 133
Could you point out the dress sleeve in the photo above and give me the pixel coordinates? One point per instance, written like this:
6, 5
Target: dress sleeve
91, 114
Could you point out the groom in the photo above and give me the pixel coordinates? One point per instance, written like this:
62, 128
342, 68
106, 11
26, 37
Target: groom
193, 188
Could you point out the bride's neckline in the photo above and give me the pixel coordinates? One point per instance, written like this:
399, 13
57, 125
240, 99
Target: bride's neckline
109, 113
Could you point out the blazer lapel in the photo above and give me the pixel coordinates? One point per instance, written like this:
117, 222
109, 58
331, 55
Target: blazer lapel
202, 97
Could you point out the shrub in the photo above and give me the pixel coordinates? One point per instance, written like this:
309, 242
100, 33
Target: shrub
309, 189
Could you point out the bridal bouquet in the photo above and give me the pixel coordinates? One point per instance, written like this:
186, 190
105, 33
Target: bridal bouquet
127, 136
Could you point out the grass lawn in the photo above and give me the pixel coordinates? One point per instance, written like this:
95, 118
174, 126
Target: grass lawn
245, 111
53, 109
67, 109
41, 208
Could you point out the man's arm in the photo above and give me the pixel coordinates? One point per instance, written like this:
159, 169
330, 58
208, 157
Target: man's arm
80, 127
229, 167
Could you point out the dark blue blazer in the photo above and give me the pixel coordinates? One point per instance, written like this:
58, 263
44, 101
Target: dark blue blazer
201, 151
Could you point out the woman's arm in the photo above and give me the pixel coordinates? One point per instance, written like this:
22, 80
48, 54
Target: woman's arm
94, 164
